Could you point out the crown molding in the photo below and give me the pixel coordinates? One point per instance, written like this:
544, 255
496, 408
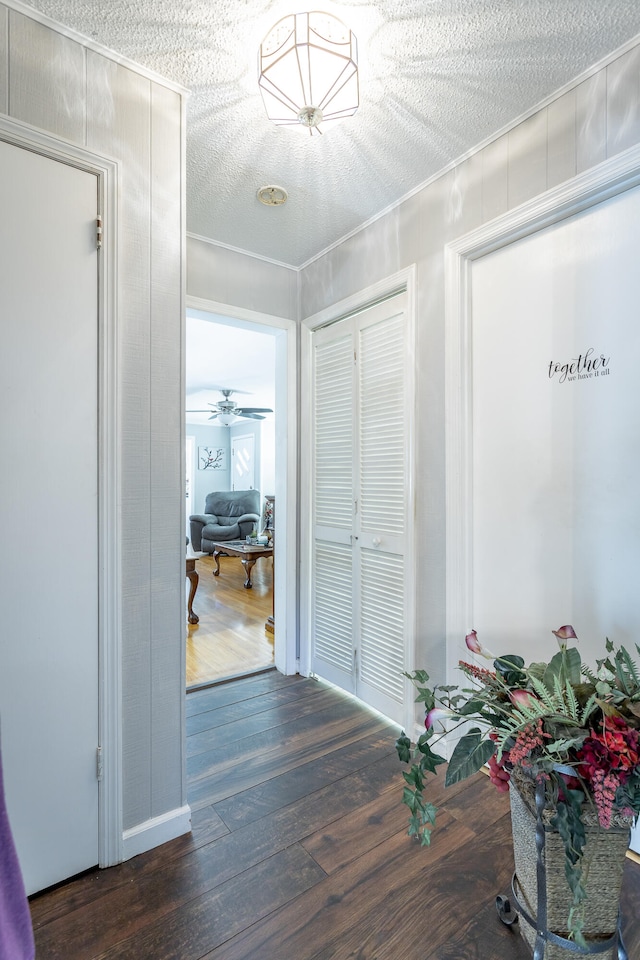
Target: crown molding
245, 253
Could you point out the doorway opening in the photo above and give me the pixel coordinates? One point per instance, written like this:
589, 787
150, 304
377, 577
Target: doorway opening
230, 366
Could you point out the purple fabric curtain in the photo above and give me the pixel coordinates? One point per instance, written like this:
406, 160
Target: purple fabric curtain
16, 932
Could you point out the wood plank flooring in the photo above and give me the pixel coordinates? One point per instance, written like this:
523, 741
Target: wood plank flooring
299, 850
230, 640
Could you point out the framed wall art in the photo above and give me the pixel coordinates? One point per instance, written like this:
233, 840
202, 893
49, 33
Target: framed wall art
212, 458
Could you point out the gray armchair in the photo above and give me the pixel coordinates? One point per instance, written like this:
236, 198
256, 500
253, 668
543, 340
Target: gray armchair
228, 515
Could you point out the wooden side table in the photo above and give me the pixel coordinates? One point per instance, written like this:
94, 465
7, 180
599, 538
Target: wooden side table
192, 575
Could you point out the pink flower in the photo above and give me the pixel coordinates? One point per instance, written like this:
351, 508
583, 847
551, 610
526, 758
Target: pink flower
435, 714
475, 646
565, 633
521, 698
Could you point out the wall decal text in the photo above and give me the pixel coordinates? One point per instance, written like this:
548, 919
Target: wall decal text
586, 366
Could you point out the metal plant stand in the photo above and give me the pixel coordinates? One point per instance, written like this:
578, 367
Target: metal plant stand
509, 916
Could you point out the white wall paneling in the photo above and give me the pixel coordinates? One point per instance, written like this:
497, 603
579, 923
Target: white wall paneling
53, 97
218, 274
166, 363
4, 58
561, 139
591, 121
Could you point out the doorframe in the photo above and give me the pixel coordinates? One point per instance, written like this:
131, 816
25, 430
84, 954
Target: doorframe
286, 421
109, 693
404, 281
606, 180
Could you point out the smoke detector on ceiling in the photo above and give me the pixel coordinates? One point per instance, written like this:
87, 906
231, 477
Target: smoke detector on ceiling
272, 196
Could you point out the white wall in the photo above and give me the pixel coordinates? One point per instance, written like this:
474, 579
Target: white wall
240, 280
595, 119
267, 458
206, 481
59, 84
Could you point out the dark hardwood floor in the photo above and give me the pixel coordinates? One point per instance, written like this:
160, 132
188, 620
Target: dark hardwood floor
299, 850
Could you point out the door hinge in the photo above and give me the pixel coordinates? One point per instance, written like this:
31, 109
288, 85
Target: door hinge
98, 231
99, 766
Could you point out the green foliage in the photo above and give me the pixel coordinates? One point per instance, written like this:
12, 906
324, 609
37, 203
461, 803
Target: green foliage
568, 822
627, 673
428, 760
471, 707
566, 665
470, 754
510, 667
403, 747
537, 717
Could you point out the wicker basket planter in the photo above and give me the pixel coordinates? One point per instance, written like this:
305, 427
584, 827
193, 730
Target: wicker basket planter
603, 865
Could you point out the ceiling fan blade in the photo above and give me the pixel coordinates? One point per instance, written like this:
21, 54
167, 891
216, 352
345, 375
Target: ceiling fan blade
248, 416
242, 410
197, 411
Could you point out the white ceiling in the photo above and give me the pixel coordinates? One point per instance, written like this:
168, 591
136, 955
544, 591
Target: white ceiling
221, 354
437, 77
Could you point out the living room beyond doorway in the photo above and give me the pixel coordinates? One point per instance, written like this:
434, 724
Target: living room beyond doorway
230, 402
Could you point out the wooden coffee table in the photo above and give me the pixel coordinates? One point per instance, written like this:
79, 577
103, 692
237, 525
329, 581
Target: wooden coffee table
248, 553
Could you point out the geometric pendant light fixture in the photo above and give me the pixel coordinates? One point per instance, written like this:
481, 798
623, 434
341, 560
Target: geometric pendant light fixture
308, 71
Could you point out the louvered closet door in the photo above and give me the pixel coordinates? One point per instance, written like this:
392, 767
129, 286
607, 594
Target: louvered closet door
332, 603
361, 516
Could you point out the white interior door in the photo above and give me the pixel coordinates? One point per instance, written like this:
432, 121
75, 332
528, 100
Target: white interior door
190, 455
362, 532
243, 463
49, 512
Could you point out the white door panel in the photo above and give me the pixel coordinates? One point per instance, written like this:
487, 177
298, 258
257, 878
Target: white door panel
333, 613
49, 512
243, 467
361, 511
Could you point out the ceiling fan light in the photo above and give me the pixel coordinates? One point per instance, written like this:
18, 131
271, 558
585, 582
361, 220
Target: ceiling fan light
226, 419
308, 70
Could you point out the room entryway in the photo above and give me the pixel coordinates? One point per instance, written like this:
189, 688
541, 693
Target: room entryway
233, 636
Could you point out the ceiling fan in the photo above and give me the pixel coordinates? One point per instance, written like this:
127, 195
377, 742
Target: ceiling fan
226, 411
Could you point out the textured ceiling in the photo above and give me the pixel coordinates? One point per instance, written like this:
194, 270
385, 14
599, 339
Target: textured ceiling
436, 78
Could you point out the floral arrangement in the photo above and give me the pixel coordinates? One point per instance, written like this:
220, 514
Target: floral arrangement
575, 727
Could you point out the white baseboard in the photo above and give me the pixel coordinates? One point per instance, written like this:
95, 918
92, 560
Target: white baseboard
151, 833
